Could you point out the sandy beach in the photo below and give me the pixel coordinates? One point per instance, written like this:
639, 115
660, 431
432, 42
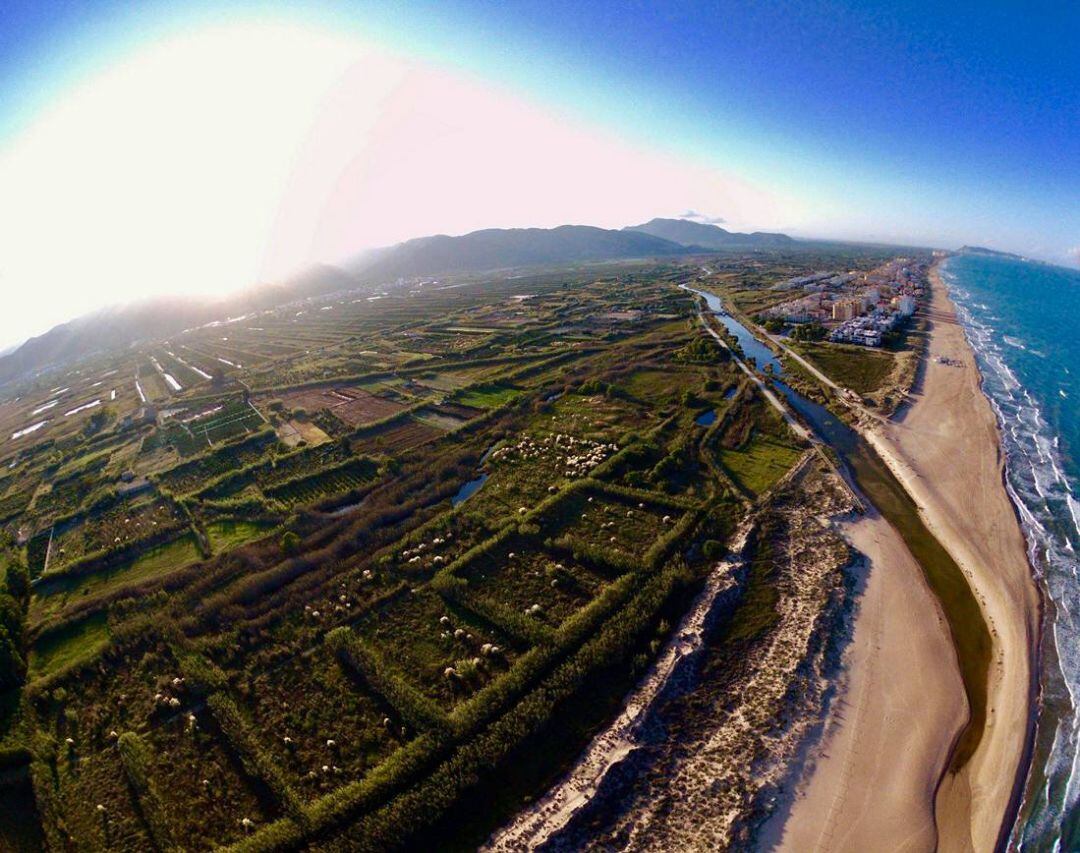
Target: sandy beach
944, 447
905, 700
875, 772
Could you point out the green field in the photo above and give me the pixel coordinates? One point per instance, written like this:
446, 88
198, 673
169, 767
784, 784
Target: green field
228, 534
759, 464
486, 396
59, 650
862, 370
158, 560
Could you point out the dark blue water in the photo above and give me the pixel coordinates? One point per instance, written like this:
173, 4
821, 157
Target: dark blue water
706, 418
1023, 321
468, 489
752, 348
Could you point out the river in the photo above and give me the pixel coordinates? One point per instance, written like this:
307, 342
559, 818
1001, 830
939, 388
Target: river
876, 481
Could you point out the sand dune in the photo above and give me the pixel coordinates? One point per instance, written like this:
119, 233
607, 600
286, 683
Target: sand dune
875, 771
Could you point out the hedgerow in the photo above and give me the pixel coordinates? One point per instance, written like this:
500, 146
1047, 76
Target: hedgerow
416, 709
137, 760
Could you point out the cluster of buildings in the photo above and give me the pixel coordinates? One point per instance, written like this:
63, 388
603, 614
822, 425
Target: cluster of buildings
856, 308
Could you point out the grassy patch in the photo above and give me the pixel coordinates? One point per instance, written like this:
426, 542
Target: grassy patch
59, 649
487, 396
862, 370
654, 385
225, 535
760, 463
155, 561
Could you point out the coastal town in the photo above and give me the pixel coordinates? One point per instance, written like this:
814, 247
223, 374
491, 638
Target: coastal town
863, 308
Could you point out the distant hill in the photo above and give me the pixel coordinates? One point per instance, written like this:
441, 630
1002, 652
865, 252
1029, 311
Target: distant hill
499, 248
479, 251
688, 233
117, 327
982, 250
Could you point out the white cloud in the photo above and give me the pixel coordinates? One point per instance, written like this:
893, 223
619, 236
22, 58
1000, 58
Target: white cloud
694, 216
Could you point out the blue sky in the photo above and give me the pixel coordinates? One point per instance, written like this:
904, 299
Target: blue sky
923, 122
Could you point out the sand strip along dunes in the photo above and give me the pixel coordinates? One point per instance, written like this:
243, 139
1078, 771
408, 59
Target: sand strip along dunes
874, 773
945, 449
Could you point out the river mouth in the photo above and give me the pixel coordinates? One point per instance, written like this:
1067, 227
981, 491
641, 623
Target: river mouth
967, 626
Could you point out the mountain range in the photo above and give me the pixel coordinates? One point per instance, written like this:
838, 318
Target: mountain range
700, 235
478, 251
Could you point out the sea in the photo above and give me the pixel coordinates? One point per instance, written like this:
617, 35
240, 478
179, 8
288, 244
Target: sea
1022, 318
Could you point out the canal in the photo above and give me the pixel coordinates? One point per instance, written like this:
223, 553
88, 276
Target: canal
970, 634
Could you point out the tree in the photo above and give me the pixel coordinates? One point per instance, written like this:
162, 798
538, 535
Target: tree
809, 332
12, 663
18, 581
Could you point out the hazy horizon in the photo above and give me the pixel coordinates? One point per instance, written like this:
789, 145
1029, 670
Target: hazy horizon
205, 150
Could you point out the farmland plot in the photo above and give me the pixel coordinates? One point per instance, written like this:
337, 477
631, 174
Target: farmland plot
332, 481
396, 437
207, 792
310, 701
532, 582
621, 527
410, 632
350, 404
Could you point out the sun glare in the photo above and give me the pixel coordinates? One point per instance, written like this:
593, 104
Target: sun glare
163, 174
208, 163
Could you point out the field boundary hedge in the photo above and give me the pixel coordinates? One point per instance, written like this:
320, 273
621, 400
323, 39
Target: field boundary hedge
417, 710
136, 760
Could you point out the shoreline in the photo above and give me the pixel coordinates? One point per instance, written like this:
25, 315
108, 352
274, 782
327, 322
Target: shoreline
945, 448
967, 506
902, 701
1023, 772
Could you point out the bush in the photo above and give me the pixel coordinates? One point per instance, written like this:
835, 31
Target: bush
136, 759
712, 549
290, 542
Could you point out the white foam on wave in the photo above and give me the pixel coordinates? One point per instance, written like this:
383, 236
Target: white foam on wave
1044, 496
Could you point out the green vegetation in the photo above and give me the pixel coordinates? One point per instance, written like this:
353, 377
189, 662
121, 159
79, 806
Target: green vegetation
486, 396
56, 592
259, 615
760, 463
60, 649
862, 370
231, 533
971, 636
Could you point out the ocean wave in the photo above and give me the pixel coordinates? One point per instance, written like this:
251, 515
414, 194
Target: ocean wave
1045, 497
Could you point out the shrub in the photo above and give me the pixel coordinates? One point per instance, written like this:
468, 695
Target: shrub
136, 760
712, 549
